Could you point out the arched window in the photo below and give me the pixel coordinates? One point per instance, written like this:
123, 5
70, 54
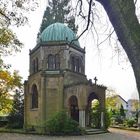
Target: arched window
36, 64
77, 65
57, 61
72, 63
34, 97
33, 66
80, 66
51, 62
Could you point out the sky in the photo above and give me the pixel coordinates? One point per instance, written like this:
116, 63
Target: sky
112, 70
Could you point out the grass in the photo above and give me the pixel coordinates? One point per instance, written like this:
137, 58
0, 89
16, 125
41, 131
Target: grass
18, 131
8, 130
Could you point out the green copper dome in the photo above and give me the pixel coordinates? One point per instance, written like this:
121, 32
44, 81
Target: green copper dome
58, 33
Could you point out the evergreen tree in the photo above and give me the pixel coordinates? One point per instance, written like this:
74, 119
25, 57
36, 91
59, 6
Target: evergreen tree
16, 117
58, 11
122, 112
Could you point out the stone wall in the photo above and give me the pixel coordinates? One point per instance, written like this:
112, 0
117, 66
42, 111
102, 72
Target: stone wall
32, 116
54, 95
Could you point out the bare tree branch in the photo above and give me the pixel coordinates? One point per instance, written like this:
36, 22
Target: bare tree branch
136, 1
106, 38
7, 18
88, 19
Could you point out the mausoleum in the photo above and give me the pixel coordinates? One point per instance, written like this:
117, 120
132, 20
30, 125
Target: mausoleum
57, 80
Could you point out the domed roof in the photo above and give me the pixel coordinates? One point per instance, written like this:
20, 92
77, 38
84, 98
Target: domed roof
58, 33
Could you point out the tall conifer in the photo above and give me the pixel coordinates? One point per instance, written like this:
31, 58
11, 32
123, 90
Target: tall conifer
58, 11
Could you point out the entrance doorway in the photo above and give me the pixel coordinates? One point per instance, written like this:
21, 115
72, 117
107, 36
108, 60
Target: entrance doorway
93, 111
74, 110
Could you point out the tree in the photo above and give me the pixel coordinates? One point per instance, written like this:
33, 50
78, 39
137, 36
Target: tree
16, 116
12, 13
126, 25
58, 11
8, 85
114, 107
135, 104
122, 112
112, 100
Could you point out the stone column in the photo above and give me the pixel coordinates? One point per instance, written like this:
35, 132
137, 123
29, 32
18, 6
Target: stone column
82, 118
87, 118
43, 101
102, 120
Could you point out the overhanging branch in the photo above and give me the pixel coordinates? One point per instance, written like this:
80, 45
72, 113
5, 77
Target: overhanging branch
5, 16
88, 21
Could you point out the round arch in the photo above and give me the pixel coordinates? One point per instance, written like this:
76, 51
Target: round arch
73, 108
93, 111
34, 96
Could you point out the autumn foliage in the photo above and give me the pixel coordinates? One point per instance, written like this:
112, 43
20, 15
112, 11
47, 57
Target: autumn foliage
9, 83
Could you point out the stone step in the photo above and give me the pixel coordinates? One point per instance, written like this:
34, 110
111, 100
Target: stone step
95, 131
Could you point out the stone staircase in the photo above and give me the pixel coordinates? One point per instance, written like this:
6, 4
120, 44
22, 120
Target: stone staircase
92, 131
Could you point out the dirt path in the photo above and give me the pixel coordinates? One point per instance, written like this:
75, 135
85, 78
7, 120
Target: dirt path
114, 135
132, 134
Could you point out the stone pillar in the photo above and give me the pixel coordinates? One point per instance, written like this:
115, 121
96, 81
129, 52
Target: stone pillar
43, 101
102, 120
87, 118
82, 118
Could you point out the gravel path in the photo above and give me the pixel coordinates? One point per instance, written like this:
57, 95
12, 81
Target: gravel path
117, 135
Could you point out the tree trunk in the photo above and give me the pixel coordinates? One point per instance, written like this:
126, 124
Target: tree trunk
123, 18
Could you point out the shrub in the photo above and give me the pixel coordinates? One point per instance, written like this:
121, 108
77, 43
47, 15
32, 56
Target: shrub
61, 124
118, 119
3, 121
95, 115
15, 121
107, 119
130, 122
95, 119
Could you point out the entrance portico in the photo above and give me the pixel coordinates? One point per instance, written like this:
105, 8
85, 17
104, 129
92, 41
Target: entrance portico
79, 102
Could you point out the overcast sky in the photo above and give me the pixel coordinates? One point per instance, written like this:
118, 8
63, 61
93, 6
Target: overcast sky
111, 69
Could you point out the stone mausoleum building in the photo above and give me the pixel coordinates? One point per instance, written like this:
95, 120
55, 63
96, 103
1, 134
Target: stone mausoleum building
57, 80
